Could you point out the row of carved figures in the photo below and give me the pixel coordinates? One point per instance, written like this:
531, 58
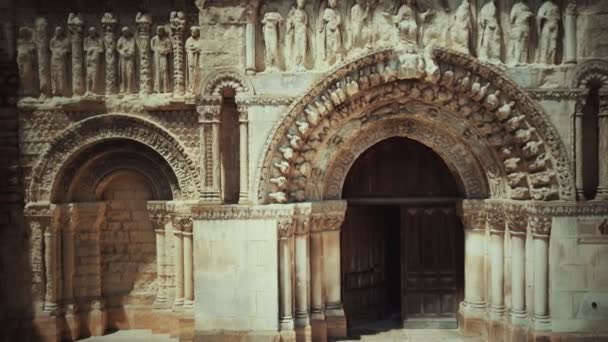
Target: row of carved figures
44, 65
370, 26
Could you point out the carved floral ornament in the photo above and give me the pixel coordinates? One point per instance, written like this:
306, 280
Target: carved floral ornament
56, 158
532, 157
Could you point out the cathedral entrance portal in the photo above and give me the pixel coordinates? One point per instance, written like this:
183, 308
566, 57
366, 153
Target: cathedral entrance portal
402, 243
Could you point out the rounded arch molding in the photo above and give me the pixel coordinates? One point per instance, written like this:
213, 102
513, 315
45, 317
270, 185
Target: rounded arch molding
59, 160
227, 78
593, 71
529, 157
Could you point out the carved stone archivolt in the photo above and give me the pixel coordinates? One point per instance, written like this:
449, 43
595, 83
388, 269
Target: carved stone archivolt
216, 82
532, 158
590, 72
60, 152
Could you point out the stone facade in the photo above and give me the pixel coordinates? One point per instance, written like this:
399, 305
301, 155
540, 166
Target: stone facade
180, 166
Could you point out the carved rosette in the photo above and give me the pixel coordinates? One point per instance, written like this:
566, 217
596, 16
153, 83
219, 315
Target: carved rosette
178, 25
143, 22
108, 22
528, 147
42, 49
76, 25
539, 225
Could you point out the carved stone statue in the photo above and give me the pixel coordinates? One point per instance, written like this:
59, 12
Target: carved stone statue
412, 64
490, 33
331, 34
193, 55
271, 24
26, 60
161, 46
296, 42
406, 23
548, 26
460, 32
359, 17
93, 47
431, 32
126, 63
60, 48
520, 32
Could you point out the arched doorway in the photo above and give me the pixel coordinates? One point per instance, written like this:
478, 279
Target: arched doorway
402, 257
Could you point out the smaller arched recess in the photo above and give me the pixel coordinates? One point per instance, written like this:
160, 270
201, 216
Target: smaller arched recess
506, 147
87, 151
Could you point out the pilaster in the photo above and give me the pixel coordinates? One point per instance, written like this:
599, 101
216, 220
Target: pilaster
108, 22
209, 118
143, 22
602, 188
178, 25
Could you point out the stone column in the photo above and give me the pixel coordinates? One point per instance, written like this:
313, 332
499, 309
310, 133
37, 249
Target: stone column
252, 17
570, 33
317, 304
76, 25
579, 147
286, 230
188, 266
602, 188
496, 223
108, 22
244, 155
68, 226
210, 149
178, 25
518, 223
159, 218
143, 22
179, 223
302, 318
474, 282
540, 227
42, 49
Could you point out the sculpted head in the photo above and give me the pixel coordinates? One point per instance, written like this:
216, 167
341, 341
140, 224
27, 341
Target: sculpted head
195, 31
333, 3
126, 32
160, 31
59, 31
92, 31
301, 4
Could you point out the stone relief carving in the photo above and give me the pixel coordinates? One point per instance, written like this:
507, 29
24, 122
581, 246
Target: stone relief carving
60, 48
93, 47
108, 22
478, 98
143, 22
42, 46
271, 25
462, 29
548, 19
297, 42
520, 18
406, 22
490, 33
331, 47
76, 27
26, 60
161, 46
360, 16
126, 63
193, 55
178, 25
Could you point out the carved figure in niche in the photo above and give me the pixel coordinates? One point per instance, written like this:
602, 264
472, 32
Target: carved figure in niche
490, 33
296, 42
93, 47
359, 16
126, 63
331, 34
460, 32
193, 55
26, 60
520, 33
405, 20
431, 33
60, 48
548, 26
412, 64
161, 46
271, 23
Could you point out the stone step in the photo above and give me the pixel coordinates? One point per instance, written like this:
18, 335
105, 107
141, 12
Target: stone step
135, 335
414, 335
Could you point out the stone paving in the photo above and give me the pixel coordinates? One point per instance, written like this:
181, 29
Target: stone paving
135, 335
422, 335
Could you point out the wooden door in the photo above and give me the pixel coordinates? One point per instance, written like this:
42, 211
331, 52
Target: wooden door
432, 266
370, 263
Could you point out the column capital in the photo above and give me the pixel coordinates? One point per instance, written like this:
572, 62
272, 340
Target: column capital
285, 228
496, 218
517, 219
159, 215
209, 113
302, 220
473, 219
328, 215
182, 223
571, 9
539, 225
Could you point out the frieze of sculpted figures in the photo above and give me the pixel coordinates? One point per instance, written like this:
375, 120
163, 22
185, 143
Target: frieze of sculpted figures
60, 48
520, 20
548, 19
193, 49
93, 48
161, 47
271, 24
42, 45
26, 60
490, 33
478, 97
126, 61
296, 41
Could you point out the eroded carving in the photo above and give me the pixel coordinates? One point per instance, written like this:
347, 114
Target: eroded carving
93, 47
161, 46
26, 60
126, 63
60, 48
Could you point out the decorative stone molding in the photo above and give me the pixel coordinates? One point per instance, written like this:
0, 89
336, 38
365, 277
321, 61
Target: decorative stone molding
556, 94
517, 218
472, 214
111, 126
143, 22
509, 120
496, 218
539, 225
285, 228
183, 223
238, 212
108, 22
178, 25
216, 82
76, 25
590, 71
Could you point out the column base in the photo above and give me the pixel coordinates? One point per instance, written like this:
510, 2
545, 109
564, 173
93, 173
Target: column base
286, 324
303, 334
97, 318
288, 336
541, 323
178, 304
336, 322
601, 195
497, 312
580, 195
160, 302
302, 320
319, 330
519, 318
188, 304
71, 323
473, 310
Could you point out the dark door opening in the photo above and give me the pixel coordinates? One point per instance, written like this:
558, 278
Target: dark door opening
402, 243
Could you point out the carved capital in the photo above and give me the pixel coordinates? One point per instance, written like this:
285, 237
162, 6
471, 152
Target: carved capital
183, 223
285, 228
108, 22
209, 114
540, 225
472, 214
517, 219
496, 218
75, 25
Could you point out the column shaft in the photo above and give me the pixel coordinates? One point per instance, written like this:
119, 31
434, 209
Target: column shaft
579, 150
570, 34
188, 272
518, 277
68, 262
51, 266
244, 161
179, 270
602, 188
497, 272
250, 48
474, 297
285, 285
301, 264
331, 268
316, 275
541, 264
161, 295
